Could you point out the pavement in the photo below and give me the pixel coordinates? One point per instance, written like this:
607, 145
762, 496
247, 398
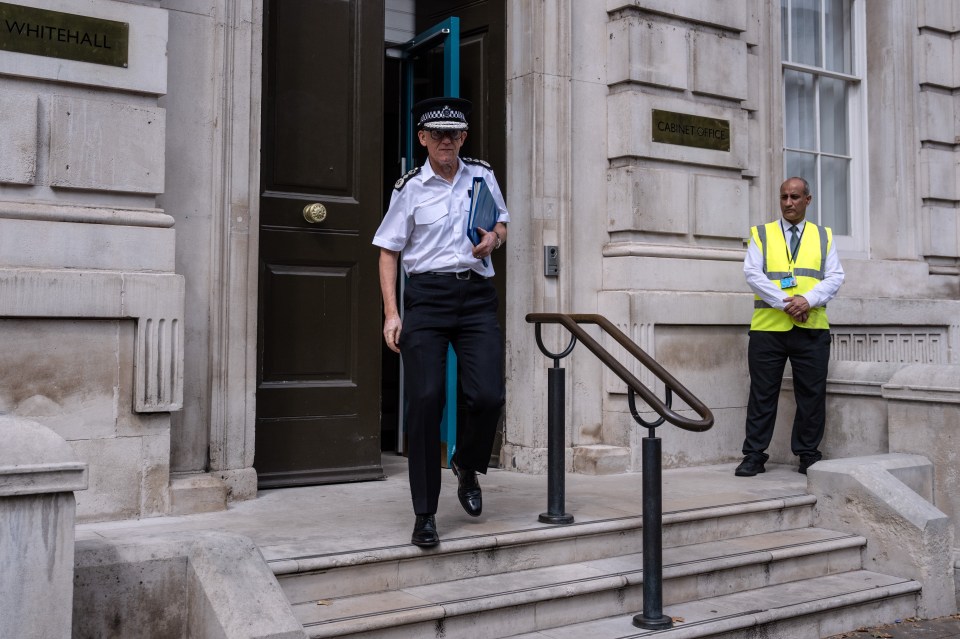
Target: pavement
354, 517
351, 517
939, 628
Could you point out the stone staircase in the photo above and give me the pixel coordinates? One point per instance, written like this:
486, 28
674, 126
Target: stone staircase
729, 571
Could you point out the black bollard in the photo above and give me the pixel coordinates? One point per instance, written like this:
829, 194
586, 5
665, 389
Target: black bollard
556, 395
652, 617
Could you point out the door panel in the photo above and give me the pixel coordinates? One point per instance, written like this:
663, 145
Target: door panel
319, 308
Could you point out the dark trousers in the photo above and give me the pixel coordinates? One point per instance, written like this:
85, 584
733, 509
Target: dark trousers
438, 311
809, 354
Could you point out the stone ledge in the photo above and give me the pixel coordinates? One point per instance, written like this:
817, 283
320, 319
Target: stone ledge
601, 460
35, 459
203, 584
925, 383
907, 535
197, 494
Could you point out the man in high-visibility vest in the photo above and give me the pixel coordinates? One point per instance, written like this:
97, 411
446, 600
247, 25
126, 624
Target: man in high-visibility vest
793, 269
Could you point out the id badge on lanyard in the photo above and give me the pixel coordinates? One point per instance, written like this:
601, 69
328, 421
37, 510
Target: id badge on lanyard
789, 281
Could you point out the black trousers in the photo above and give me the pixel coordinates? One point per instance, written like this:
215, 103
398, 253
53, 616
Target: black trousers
440, 311
809, 354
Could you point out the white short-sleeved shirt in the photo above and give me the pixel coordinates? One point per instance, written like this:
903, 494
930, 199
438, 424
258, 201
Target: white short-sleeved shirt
427, 219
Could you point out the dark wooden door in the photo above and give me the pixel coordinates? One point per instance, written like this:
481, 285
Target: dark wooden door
318, 391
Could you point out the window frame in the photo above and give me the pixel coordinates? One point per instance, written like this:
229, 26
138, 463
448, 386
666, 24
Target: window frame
854, 244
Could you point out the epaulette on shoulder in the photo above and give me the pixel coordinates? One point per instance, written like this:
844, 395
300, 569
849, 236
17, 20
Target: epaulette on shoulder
482, 163
399, 184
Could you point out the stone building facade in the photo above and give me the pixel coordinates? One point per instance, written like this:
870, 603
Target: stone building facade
130, 210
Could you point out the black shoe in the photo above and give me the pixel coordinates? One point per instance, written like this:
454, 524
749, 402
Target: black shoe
468, 490
806, 462
425, 532
749, 467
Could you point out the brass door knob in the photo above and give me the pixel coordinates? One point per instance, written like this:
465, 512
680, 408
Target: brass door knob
315, 213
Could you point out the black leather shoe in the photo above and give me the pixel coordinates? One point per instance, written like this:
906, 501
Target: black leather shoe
749, 467
425, 532
806, 462
468, 490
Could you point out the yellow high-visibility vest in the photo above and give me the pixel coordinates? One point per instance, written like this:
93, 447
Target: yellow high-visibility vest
807, 268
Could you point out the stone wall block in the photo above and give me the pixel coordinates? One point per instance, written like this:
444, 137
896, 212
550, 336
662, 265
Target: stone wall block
733, 193
107, 146
867, 280
941, 231
937, 60
719, 66
61, 373
710, 361
155, 479
938, 174
146, 68
39, 293
640, 50
652, 200
725, 14
938, 117
938, 14
116, 473
651, 274
18, 138
630, 130
67, 245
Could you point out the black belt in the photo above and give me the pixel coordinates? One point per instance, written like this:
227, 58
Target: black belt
462, 275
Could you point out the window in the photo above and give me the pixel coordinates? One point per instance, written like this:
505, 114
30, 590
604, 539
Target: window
823, 109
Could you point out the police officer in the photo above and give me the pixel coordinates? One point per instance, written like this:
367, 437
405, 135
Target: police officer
793, 269
448, 299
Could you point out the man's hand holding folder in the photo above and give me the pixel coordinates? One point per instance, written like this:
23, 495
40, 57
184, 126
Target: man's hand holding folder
483, 212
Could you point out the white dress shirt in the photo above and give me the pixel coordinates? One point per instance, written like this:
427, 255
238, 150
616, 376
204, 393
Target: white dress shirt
771, 293
427, 221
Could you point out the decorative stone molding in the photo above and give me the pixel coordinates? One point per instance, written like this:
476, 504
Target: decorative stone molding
154, 300
233, 259
922, 345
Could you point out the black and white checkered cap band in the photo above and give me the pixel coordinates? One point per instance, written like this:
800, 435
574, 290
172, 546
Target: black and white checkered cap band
445, 118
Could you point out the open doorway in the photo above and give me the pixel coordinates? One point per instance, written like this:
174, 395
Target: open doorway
482, 80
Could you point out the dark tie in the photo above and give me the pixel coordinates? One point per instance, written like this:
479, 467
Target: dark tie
794, 241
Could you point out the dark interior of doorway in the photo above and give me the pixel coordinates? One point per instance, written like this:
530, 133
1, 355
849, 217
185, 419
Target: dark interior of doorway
483, 82
428, 75
390, 361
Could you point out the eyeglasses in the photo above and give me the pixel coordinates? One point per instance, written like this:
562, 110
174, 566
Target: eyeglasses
438, 135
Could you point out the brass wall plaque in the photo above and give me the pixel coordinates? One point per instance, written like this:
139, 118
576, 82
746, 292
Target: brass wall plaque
63, 35
691, 130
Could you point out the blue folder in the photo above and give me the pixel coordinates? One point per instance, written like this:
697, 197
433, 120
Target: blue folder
483, 210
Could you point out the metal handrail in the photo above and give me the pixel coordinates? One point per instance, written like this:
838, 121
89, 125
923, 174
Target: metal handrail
572, 323
652, 617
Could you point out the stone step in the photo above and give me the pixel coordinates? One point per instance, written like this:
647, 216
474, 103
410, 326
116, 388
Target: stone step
312, 577
552, 596
805, 609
